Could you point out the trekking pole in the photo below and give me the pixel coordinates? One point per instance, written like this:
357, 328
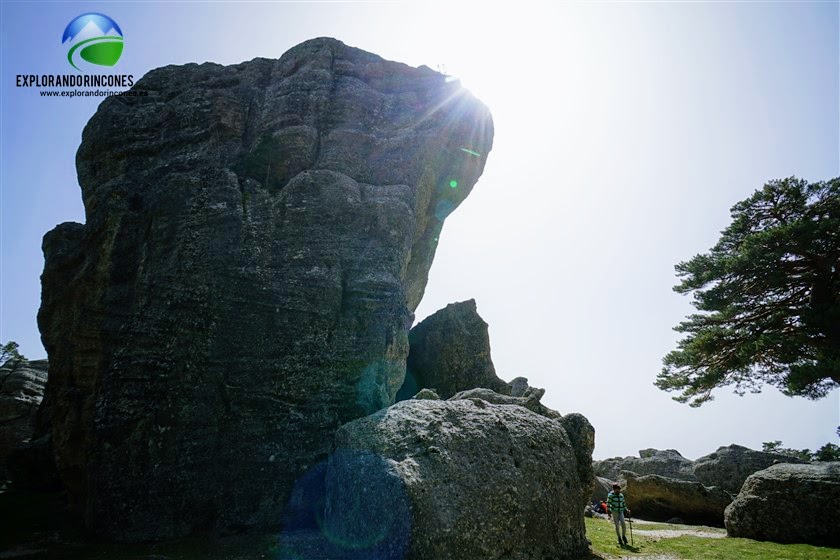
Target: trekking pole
630, 521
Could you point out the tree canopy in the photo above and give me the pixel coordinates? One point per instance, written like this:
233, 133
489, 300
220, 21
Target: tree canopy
768, 296
9, 351
828, 452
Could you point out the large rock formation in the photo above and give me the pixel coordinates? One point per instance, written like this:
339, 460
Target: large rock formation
789, 503
449, 351
666, 462
460, 479
660, 498
729, 467
21, 391
257, 239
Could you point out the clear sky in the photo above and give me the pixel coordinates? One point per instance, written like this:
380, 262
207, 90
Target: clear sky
624, 133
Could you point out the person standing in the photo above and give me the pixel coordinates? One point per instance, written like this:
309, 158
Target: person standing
617, 505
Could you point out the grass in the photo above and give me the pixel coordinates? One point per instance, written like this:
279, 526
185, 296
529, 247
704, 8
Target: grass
688, 547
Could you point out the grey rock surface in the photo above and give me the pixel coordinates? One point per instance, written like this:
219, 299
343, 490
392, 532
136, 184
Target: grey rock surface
660, 498
257, 237
449, 351
531, 400
426, 394
789, 503
603, 486
459, 479
22, 385
729, 466
668, 463
517, 386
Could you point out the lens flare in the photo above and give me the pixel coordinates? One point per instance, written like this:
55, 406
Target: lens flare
453, 183
471, 152
351, 506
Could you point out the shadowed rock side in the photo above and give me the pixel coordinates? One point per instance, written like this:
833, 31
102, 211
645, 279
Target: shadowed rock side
660, 498
603, 487
789, 503
257, 239
449, 351
31, 462
460, 479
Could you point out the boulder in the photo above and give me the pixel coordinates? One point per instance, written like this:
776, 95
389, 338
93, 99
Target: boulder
603, 486
530, 400
668, 463
458, 479
21, 391
257, 238
789, 503
729, 467
660, 498
517, 386
449, 351
426, 394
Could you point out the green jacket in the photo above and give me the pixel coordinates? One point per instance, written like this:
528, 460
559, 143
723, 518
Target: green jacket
616, 503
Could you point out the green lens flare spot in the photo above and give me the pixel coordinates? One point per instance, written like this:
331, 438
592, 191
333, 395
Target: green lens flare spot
453, 183
471, 152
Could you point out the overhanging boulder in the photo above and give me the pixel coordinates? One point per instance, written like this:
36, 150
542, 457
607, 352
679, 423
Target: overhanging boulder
660, 498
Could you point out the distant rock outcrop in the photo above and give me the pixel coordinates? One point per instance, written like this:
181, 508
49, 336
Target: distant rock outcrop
449, 351
729, 467
660, 498
257, 238
666, 462
21, 391
789, 503
461, 479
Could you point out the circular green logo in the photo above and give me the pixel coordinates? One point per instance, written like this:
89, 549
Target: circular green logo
93, 39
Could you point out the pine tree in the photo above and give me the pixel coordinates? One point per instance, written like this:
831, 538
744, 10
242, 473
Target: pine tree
768, 296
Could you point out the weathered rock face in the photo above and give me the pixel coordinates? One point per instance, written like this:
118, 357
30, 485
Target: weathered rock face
257, 239
789, 503
461, 479
530, 400
449, 351
666, 462
729, 467
659, 498
21, 391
